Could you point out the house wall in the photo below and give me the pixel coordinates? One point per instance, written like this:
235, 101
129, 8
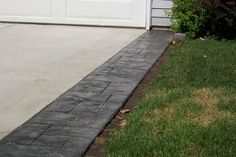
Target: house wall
158, 15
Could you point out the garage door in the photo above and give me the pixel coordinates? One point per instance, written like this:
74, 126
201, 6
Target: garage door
83, 12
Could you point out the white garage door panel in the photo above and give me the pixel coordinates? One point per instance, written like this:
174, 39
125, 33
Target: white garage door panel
85, 12
33, 8
95, 9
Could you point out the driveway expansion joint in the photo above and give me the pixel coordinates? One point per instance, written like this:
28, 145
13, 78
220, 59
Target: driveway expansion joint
68, 125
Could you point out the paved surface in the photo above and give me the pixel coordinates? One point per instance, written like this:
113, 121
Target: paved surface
38, 63
67, 126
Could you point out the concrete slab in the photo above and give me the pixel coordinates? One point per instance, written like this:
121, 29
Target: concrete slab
40, 62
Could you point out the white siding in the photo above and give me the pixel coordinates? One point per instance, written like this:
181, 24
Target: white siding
159, 9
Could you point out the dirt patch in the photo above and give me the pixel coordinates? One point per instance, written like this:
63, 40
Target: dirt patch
100, 140
165, 112
97, 149
205, 97
158, 94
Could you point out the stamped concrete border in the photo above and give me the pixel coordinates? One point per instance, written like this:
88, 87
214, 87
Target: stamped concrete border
67, 126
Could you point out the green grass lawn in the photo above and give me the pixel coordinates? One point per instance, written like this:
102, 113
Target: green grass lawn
189, 110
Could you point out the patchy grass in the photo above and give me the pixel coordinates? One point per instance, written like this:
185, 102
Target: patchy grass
188, 110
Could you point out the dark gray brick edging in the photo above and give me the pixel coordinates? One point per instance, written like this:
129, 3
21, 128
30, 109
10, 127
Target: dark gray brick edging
67, 126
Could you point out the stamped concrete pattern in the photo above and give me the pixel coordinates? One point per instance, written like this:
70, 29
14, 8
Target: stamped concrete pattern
67, 126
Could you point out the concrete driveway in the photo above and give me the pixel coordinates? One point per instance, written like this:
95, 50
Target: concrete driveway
40, 62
